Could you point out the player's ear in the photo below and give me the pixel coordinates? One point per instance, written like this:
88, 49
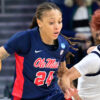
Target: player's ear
39, 23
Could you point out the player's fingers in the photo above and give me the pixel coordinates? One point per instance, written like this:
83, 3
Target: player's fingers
73, 91
70, 92
67, 94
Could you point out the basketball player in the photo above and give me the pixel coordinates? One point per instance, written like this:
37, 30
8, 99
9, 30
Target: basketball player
88, 69
38, 52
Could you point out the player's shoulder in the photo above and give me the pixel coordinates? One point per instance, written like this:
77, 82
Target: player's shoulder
96, 51
34, 32
22, 33
26, 33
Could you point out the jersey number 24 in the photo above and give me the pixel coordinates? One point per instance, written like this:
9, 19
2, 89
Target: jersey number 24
41, 78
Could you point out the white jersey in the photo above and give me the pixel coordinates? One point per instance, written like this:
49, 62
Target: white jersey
89, 86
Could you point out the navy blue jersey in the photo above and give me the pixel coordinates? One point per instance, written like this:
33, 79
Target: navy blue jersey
36, 63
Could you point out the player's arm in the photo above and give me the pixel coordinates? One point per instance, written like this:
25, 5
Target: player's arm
75, 95
66, 83
68, 77
89, 64
62, 79
62, 69
65, 73
82, 68
3, 55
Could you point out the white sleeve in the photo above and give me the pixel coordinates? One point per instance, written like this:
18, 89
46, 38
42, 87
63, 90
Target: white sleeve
89, 64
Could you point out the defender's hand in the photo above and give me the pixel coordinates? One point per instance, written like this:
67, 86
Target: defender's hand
70, 92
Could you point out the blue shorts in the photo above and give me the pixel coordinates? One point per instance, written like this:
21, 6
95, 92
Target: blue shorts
56, 95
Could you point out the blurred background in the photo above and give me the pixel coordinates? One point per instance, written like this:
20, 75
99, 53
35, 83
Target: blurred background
16, 15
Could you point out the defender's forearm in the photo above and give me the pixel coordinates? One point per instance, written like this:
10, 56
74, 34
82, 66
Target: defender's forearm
72, 74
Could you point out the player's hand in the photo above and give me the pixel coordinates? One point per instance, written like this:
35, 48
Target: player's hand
64, 83
70, 92
0, 65
76, 97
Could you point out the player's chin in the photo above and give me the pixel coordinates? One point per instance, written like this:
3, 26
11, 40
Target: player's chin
55, 37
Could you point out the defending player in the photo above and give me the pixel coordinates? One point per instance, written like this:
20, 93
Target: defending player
88, 69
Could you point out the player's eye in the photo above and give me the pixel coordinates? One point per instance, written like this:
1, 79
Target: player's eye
51, 23
60, 22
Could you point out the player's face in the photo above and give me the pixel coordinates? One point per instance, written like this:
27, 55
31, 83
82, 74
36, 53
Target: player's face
50, 25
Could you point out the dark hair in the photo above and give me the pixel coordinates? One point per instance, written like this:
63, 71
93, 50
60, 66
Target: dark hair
69, 55
40, 10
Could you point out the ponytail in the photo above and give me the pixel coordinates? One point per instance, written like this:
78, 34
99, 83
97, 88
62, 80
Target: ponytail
72, 42
34, 23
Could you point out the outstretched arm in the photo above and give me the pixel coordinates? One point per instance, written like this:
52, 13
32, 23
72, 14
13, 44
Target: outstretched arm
3, 55
68, 77
72, 74
66, 85
62, 79
89, 64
